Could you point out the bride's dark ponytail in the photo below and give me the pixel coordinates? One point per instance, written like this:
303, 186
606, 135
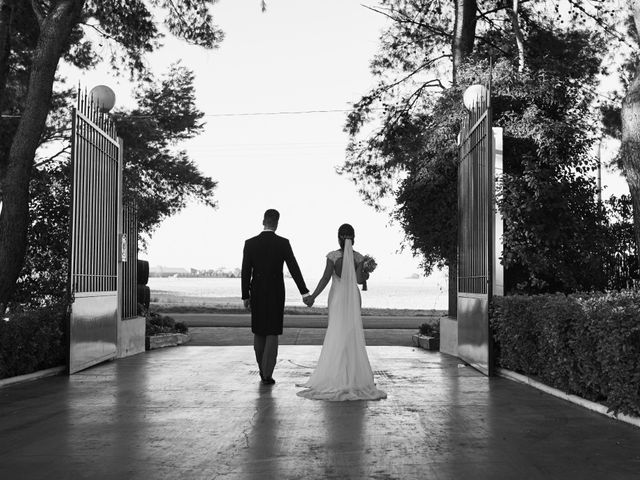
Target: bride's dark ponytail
345, 231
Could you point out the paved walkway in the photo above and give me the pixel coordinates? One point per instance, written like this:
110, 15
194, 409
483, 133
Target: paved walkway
232, 329
298, 321
201, 413
227, 336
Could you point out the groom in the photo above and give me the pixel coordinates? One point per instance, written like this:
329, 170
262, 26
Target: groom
263, 290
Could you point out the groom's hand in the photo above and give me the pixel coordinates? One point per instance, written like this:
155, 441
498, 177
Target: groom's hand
247, 303
308, 301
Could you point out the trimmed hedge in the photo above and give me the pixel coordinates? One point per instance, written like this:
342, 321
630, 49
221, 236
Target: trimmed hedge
157, 324
32, 341
587, 344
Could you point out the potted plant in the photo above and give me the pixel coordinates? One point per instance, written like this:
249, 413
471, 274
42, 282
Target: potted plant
428, 337
164, 331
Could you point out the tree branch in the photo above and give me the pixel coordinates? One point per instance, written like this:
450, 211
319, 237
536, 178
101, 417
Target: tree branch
38, 11
607, 28
410, 21
492, 22
503, 6
55, 134
100, 31
180, 16
491, 44
408, 104
52, 158
421, 67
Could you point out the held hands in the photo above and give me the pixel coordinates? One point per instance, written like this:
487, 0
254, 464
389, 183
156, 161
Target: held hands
308, 300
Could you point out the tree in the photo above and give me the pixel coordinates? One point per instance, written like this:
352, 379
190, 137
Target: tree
630, 123
43, 278
555, 235
542, 85
50, 30
425, 37
464, 32
620, 22
158, 178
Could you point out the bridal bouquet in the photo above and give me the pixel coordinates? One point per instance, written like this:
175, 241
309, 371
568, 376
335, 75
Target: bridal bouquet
368, 267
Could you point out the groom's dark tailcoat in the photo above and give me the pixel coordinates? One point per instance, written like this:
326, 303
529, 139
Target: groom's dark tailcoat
263, 280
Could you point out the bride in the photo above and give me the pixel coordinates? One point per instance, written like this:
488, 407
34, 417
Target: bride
343, 371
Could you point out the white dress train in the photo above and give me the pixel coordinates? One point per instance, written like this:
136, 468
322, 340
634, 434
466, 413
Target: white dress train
343, 371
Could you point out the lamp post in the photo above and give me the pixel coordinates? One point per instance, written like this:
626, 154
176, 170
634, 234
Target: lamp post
473, 96
104, 97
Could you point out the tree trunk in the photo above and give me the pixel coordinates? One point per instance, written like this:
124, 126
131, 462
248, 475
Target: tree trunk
515, 22
6, 11
464, 32
55, 29
630, 147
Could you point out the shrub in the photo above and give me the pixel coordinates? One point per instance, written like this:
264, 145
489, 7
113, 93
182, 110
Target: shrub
32, 341
181, 327
157, 324
429, 330
584, 344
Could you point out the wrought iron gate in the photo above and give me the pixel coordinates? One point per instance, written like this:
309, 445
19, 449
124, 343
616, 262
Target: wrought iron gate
478, 267
96, 162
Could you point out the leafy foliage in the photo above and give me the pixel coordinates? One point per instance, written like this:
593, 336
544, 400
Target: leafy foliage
556, 233
587, 345
554, 230
45, 273
159, 178
429, 330
158, 324
427, 197
32, 341
130, 29
34, 36
621, 265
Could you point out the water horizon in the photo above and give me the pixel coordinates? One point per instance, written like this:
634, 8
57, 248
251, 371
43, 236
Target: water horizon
414, 294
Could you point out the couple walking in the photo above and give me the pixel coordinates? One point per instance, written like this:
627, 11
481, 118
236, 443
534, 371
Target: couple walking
343, 371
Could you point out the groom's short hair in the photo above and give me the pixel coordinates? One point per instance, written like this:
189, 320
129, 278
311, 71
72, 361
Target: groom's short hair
271, 216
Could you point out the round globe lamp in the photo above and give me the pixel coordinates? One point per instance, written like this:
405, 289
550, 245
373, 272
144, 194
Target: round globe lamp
473, 96
104, 97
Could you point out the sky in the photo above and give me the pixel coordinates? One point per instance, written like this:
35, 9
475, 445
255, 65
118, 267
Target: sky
300, 55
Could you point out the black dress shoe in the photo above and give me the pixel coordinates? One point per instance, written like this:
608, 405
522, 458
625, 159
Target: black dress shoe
268, 381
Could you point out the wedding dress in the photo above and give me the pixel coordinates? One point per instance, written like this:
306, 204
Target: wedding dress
343, 371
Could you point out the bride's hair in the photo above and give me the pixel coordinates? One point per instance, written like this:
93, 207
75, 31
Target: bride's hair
346, 231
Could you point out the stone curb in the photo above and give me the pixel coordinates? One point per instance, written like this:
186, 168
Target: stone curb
593, 406
166, 340
427, 343
49, 372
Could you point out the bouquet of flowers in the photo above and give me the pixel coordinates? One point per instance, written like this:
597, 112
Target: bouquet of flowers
368, 267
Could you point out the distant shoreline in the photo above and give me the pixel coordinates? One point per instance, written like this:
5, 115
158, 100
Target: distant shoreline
172, 303
188, 275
